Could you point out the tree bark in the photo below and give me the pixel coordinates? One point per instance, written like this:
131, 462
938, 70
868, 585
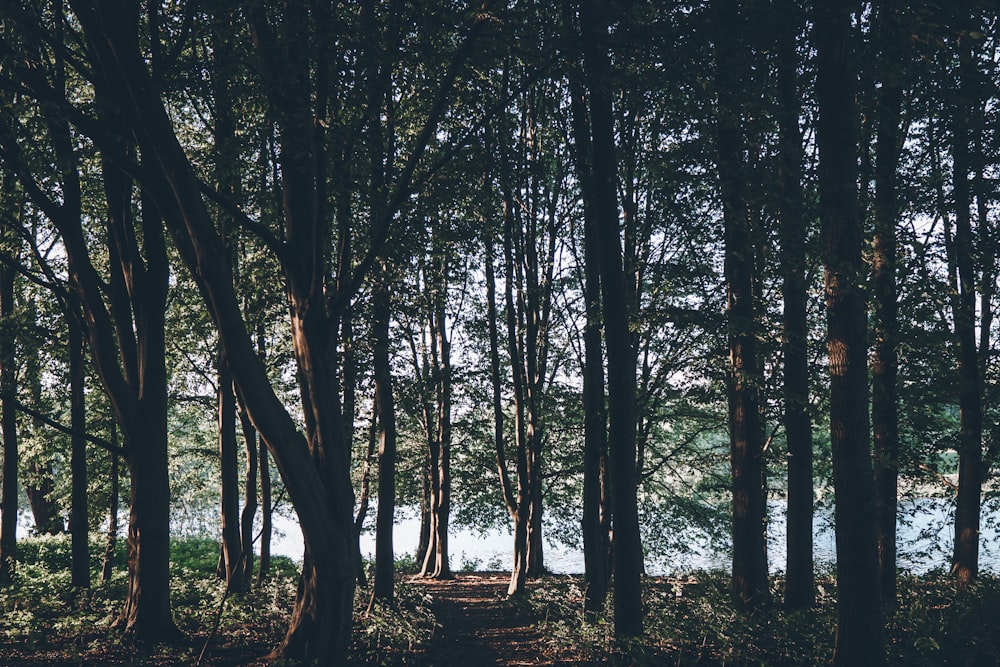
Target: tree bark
799, 585
860, 638
627, 545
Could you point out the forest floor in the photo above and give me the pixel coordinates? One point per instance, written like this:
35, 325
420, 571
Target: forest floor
474, 625
477, 626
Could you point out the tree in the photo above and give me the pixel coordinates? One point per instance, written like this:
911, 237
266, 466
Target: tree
744, 378
596, 519
892, 67
962, 265
859, 616
627, 548
799, 586
8, 420
314, 465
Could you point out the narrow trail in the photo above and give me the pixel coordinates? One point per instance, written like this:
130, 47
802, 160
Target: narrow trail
477, 627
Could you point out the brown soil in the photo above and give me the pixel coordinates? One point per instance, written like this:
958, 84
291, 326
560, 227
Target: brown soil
478, 627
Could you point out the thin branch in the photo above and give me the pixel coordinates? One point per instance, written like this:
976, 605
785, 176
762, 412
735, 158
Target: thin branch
49, 421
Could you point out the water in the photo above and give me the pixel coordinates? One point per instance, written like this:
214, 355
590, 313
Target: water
925, 527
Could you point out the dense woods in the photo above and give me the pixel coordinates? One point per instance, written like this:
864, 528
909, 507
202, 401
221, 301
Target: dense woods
618, 276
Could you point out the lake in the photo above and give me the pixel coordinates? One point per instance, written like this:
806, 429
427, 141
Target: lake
926, 535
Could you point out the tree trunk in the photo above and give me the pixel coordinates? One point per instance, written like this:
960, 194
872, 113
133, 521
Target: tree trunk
965, 561
799, 586
627, 545
860, 638
79, 524
743, 378
384, 554
596, 535
112, 540
885, 420
266, 509
232, 547
39, 487
249, 498
8, 417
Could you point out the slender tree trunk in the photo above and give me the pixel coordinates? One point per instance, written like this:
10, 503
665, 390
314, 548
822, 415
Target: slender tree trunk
885, 420
79, 524
365, 493
799, 586
230, 566
383, 589
112, 541
40, 489
596, 535
8, 421
965, 562
750, 578
249, 498
860, 638
263, 458
627, 545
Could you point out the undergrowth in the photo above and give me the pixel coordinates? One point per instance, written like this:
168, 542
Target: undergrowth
692, 621
46, 621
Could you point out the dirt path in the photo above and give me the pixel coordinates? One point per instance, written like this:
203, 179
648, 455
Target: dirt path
477, 627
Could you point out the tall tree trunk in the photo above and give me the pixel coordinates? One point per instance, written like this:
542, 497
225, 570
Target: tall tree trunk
227, 177
596, 534
8, 421
383, 589
799, 586
965, 561
627, 545
885, 420
860, 638
750, 578
79, 524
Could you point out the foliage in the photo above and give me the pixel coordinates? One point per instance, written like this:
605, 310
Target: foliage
43, 614
692, 621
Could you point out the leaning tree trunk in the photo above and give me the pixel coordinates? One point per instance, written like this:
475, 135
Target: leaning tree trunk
859, 613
